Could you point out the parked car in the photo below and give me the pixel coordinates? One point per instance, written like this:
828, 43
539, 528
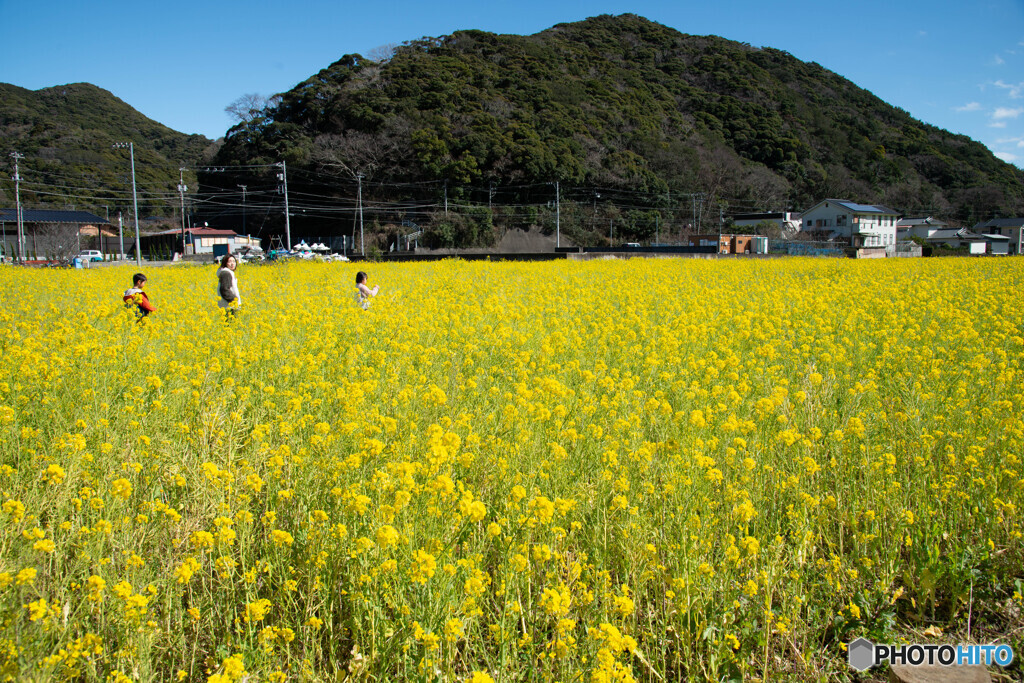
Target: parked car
631, 245
91, 255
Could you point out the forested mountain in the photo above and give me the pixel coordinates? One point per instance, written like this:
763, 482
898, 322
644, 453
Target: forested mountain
610, 107
65, 135
646, 131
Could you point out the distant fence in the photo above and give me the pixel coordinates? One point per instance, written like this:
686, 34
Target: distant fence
793, 248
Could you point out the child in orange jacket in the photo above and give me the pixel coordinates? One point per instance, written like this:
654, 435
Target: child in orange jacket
136, 298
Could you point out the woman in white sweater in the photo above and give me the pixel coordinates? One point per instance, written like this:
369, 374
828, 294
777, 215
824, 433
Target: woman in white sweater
230, 299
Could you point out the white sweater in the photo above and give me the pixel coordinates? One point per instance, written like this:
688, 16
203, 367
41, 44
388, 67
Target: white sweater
227, 282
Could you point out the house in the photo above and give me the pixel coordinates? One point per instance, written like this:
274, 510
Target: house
731, 244
976, 244
47, 233
787, 221
203, 240
1012, 228
918, 227
862, 225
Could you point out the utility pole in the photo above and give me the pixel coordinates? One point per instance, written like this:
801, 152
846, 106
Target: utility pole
721, 224
283, 177
182, 188
445, 196
558, 217
135, 200
17, 196
120, 235
362, 246
244, 188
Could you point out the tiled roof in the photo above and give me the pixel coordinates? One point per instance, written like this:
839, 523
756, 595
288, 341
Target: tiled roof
1001, 223
199, 232
38, 216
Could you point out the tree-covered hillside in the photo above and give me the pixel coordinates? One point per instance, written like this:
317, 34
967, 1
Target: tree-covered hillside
66, 134
630, 117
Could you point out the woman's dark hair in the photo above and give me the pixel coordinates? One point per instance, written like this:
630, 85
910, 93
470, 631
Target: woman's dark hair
137, 278
360, 277
224, 260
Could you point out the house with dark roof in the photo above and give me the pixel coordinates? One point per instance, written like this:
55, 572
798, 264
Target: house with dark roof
923, 227
859, 225
198, 240
975, 243
1011, 228
53, 233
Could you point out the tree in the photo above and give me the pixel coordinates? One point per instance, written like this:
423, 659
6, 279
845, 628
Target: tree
248, 108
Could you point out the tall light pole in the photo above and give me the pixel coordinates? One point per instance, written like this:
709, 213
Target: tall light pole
283, 177
135, 200
17, 196
359, 179
182, 188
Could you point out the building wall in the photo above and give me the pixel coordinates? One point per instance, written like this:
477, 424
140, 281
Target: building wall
872, 230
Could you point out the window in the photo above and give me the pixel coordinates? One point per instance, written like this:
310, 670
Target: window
841, 219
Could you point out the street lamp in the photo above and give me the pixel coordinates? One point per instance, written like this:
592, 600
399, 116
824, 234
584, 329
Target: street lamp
135, 199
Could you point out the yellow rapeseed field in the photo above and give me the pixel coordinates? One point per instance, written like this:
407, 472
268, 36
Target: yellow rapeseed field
603, 471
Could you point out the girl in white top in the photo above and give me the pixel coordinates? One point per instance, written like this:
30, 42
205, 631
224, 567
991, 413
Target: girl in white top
227, 287
363, 293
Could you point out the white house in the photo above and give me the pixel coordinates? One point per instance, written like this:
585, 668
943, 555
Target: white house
1012, 228
977, 244
864, 225
918, 227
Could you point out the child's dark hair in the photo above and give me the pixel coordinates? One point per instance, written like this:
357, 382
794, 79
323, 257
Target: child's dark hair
360, 277
137, 278
224, 260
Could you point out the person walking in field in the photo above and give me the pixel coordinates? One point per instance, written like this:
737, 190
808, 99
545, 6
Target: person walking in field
136, 299
363, 292
227, 286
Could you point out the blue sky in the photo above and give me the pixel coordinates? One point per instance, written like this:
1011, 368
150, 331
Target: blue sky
958, 65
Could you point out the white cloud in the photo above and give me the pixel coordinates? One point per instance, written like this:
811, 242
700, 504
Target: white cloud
998, 61
1007, 113
1008, 157
1019, 141
997, 124
970, 106
1014, 90
922, 33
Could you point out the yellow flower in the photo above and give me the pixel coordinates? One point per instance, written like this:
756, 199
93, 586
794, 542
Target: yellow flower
122, 488
257, 610
423, 566
556, 601
281, 537
202, 540
96, 585
45, 545
14, 508
186, 569
37, 610
387, 536
54, 474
